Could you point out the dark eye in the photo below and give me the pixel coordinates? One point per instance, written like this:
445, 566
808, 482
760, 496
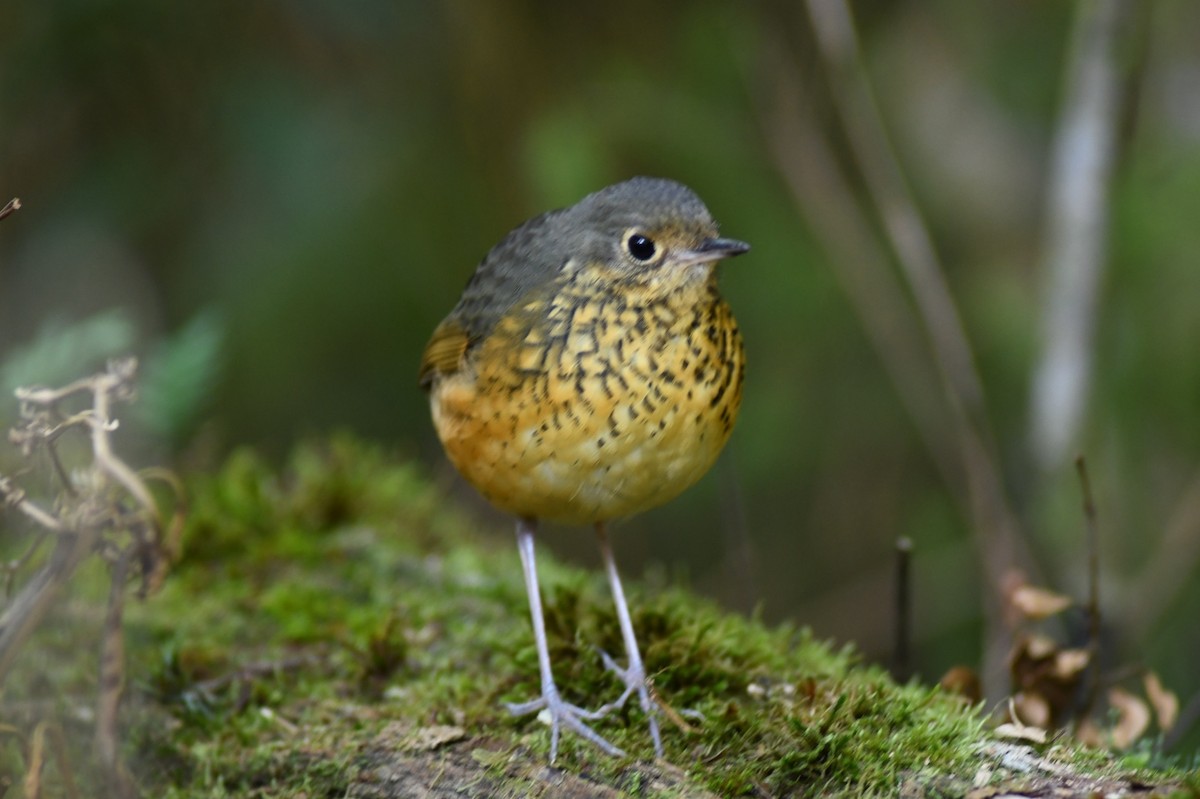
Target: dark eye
640, 247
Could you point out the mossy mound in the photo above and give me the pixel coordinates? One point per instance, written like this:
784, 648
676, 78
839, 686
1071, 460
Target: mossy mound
333, 629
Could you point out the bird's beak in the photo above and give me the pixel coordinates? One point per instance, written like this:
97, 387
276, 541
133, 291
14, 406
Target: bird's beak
713, 250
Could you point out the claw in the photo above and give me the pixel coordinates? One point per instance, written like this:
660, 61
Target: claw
634, 679
563, 714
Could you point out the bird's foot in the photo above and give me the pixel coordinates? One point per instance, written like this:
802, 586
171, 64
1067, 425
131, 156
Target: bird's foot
558, 714
635, 681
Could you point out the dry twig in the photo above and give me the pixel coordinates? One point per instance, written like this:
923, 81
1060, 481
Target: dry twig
9, 207
108, 511
963, 450
1091, 693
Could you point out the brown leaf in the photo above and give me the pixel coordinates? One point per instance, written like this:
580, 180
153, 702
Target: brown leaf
1038, 603
1040, 668
1040, 647
1164, 702
986, 792
1020, 732
1133, 717
963, 681
1030, 709
1089, 733
1069, 662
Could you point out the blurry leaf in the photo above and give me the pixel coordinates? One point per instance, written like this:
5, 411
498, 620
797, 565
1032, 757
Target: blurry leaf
1030, 709
1133, 717
62, 351
1069, 662
426, 739
1164, 702
1038, 603
1021, 733
986, 792
1088, 732
1036, 647
180, 374
962, 680
1023, 708
1047, 679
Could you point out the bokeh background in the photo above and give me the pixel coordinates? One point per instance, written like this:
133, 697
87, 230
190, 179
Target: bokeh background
275, 203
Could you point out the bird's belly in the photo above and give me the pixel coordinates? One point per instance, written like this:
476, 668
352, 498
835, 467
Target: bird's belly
593, 438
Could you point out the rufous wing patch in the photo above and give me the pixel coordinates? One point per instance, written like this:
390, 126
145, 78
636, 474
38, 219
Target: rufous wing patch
443, 354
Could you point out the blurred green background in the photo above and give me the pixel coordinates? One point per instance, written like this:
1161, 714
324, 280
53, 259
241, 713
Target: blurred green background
275, 203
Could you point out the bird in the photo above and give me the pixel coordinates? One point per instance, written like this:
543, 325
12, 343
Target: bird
591, 370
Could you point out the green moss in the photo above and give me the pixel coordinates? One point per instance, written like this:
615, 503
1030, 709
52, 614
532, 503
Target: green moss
326, 613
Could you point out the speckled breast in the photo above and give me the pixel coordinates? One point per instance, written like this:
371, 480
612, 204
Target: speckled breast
587, 408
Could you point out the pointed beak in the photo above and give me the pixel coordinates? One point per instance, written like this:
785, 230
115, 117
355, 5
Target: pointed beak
714, 250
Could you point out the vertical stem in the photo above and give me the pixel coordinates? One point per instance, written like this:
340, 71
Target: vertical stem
1093, 605
1077, 229
902, 657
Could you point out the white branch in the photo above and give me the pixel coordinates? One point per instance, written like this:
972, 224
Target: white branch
1076, 236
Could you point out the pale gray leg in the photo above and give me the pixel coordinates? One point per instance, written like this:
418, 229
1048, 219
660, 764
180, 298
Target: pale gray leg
562, 714
634, 676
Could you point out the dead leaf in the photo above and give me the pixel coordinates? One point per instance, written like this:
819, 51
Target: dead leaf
1089, 733
963, 681
984, 793
1038, 603
1069, 662
1133, 717
1164, 702
1040, 669
427, 739
1039, 647
1029, 709
1020, 732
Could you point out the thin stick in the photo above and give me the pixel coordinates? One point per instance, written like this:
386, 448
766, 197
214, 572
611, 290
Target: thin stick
9, 207
30, 606
1183, 724
16, 498
112, 670
906, 230
808, 165
902, 662
966, 453
1093, 603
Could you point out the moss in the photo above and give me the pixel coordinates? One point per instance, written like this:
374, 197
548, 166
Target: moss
332, 616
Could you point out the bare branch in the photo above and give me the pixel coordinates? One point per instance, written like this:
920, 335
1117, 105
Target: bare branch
30, 606
14, 497
1092, 692
112, 684
855, 101
9, 207
1077, 230
902, 650
963, 450
806, 162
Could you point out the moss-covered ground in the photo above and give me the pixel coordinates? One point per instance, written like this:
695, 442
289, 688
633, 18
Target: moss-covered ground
334, 629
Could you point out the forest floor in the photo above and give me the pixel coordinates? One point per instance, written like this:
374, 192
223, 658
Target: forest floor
333, 629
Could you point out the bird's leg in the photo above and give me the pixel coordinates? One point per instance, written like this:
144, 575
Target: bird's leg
634, 675
562, 714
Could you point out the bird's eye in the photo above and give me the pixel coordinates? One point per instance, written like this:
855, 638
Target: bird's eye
640, 247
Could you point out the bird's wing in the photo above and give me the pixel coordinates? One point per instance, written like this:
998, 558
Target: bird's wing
444, 352
526, 260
